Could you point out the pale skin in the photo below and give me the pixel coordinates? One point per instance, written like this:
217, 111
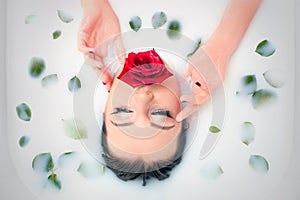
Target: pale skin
217, 51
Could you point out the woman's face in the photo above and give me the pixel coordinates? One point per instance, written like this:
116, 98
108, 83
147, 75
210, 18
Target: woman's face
141, 121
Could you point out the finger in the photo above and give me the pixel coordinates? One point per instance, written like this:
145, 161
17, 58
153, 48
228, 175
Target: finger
120, 49
187, 111
188, 98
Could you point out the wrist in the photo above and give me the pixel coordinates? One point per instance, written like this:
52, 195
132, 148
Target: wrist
90, 6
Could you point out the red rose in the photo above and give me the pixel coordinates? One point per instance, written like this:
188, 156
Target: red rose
144, 68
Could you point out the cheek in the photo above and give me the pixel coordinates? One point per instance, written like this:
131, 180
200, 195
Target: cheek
169, 102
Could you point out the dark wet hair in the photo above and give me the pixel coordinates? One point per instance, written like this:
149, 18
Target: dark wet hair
139, 168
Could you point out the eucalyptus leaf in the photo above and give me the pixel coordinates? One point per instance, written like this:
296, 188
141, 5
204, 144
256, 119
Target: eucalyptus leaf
24, 140
212, 171
74, 129
29, 19
74, 84
159, 19
135, 23
214, 129
23, 112
174, 29
262, 99
265, 48
56, 34
43, 162
198, 44
49, 80
65, 157
64, 16
55, 181
248, 84
259, 163
247, 133
36, 67
275, 78
91, 169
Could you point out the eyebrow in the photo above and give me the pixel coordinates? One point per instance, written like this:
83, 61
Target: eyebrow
152, 124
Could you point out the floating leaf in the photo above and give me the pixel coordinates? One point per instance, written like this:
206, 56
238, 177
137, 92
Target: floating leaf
91, 169
263, 98
36, 67
49, 80
174, 29
63, 158
23, 112
248, 84
64, 17
265, 48
56, 34
275, 78
24, 140
43, 162
55, 181
259, 163
74, 84
159, 19
29, 19
75, 129
214, 129
198, 44
212, 171
247, 133
135, 23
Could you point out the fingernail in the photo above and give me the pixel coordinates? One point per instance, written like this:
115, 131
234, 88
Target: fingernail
198, 84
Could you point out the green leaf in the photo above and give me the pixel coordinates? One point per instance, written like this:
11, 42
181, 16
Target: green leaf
74, 129
29, 19
64, 17
247, 133
43, 162
36, 67
56, 34
24, 140
214, 129
55, 181
198, 44
265, 48
275, 78
248, 84
212, 171
159, 19
49, 80
74, 84
173, 30
90, 169
23, 112
259, 163
63, 158
262, 99
135, 23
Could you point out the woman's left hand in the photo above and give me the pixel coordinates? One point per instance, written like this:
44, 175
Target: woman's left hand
206, 73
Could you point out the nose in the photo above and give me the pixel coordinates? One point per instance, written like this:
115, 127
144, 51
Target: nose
140, 101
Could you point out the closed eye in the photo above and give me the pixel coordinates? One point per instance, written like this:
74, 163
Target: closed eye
121, 110
162, 113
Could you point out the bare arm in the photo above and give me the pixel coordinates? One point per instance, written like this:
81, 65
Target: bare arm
233, 26
208, 64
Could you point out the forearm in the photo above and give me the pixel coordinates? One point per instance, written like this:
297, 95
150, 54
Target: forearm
229, 33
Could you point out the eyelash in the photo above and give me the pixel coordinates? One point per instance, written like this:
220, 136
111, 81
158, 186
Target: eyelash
122, 110
162, 112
